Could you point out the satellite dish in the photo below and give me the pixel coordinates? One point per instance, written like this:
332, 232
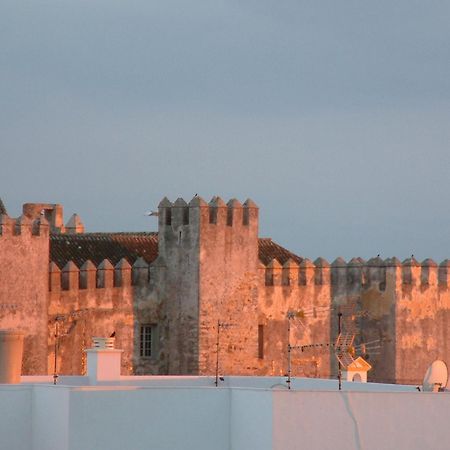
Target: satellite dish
436, 377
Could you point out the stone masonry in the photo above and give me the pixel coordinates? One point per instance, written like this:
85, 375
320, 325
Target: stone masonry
207, 277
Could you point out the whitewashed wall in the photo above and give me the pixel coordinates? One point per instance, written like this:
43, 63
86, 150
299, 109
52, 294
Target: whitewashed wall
361, 420
15, 417
46, 417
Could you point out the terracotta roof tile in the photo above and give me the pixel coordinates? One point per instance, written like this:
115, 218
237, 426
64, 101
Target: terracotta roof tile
114, 246
99, 246
2, 208
269, 250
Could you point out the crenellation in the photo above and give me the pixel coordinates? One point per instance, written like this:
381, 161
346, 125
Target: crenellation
444, 273
394, 276
180, 213
429, 273
375, 272
250, 214
74, 225
165, 212
70, 276
105, 275
410, 271
290, 273
355, 274
122, 273
339, 273
7, 225
273, 273
40, 227
140, 272
234, 213
322, 275
307, 271
88, 275
54, 277
23, 226
217, 211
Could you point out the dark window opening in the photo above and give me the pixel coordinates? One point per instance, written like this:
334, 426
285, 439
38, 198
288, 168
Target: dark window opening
261, 341
145, 344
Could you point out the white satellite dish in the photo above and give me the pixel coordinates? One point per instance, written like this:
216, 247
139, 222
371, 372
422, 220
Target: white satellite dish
436, 377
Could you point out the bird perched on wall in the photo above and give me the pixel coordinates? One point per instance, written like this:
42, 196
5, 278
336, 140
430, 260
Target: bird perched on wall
113, 334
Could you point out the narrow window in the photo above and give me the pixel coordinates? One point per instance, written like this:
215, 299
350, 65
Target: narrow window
261, 341
146, 341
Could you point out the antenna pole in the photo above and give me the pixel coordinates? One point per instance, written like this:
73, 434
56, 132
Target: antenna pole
55, 374
289, 348
217, 354
339, 362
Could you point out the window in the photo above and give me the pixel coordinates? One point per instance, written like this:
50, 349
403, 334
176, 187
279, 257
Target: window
261, 341
146, 341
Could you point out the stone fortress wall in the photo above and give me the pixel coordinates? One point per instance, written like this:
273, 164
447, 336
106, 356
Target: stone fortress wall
209, 271
24, 249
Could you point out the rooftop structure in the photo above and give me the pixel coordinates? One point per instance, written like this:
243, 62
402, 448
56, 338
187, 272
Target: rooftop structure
107, 411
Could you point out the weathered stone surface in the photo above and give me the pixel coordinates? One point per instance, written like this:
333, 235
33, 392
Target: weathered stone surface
208, 281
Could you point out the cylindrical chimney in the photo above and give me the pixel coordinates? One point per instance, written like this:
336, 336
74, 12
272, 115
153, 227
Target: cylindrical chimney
11, 351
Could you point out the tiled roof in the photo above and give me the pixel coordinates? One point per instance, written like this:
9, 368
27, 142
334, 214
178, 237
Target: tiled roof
2, 208
99, 246
115, 246
269, 250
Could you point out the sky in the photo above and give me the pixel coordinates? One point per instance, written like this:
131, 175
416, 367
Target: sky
334, 117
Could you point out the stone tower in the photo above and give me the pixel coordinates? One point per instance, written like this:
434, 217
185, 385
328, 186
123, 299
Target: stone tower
207, 260
24, 250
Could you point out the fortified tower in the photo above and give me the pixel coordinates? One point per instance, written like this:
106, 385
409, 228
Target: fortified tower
24, 250
207, 257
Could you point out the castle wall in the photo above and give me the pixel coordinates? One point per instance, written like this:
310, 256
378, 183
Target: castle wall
310, 303
24, 250
97, 301
422, 318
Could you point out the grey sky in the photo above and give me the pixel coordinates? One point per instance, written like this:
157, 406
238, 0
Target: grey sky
333, 116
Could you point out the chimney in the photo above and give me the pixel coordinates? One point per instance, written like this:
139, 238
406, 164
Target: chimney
103, 361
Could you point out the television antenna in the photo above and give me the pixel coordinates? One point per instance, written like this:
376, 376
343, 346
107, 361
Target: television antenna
297, 317
344, 347
59, 320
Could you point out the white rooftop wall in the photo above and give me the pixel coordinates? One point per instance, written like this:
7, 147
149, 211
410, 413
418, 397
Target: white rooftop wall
47, 417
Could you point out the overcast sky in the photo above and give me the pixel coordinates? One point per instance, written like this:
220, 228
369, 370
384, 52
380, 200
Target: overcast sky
333, 116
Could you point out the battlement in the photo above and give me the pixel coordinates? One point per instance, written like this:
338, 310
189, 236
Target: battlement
216, 212
23, 226
103, 276
357, 273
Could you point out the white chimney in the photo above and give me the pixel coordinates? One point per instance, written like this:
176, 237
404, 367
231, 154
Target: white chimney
103, 361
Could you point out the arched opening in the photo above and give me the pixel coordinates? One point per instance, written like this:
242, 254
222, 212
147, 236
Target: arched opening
357, 378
